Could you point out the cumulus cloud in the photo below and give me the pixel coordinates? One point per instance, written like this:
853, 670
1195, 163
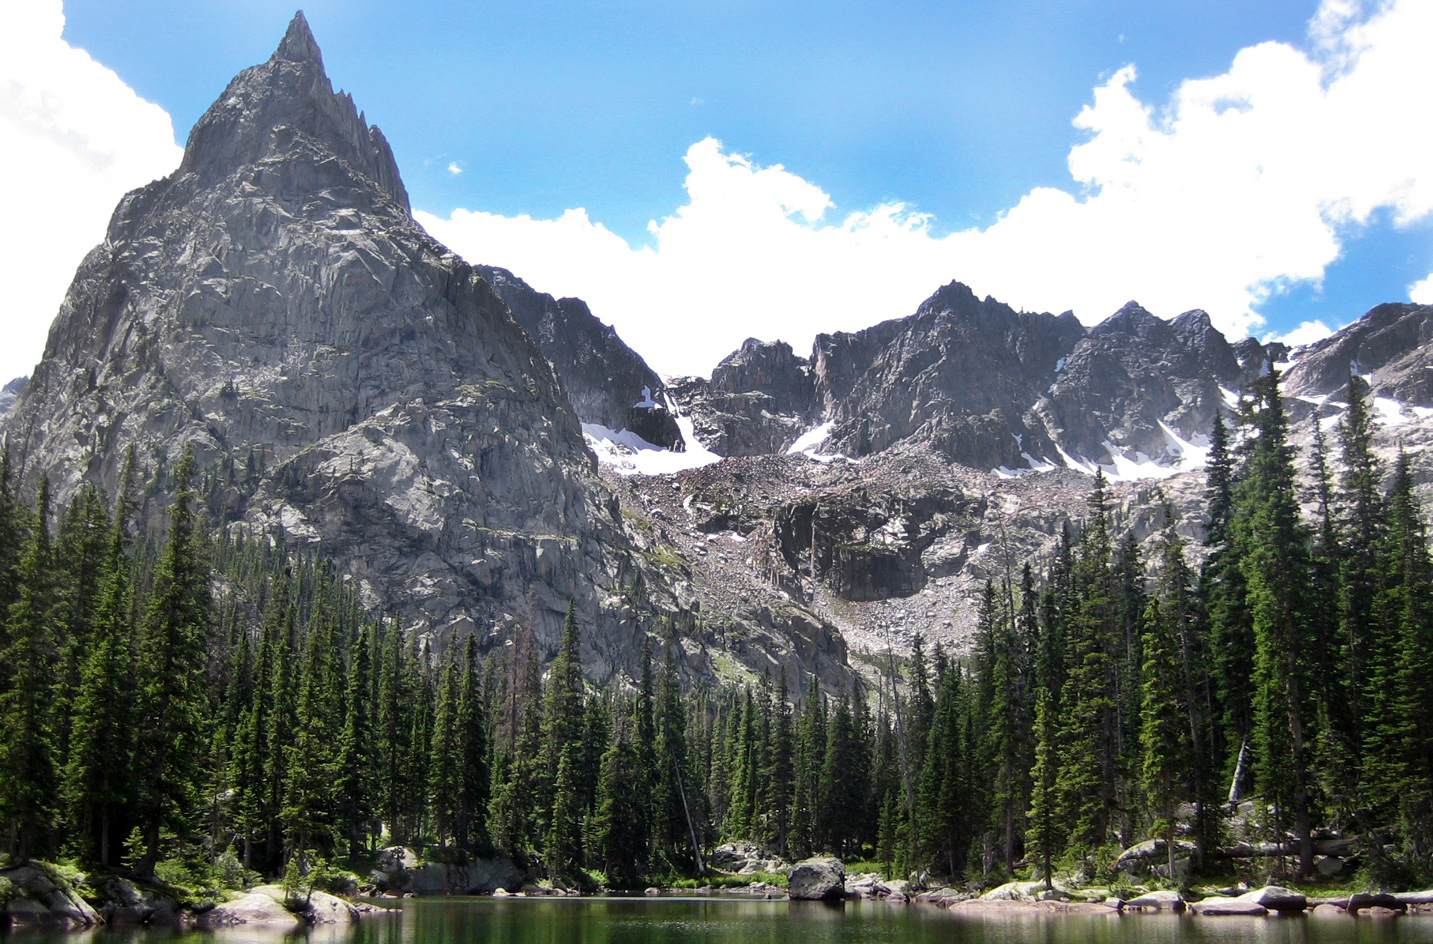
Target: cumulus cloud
1238, 187
1421, 292
1306, 333
455, 168
76, 140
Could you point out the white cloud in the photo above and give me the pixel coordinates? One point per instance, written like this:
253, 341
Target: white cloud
455, 168
1239, 186
1421, 292
76, 140
1306, 333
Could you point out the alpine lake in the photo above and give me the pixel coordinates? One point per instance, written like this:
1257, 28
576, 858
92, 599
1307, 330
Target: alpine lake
673, 920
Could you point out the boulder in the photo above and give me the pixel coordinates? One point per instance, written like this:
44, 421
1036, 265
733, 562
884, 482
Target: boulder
1327, 909
329, 909
745, 858
944, 897
1364, 901
39, 897
817, 879
1415, 898
1150, 852
475, 877
1227, 906
253, 907
1157, 901
1277, 898
1025, 891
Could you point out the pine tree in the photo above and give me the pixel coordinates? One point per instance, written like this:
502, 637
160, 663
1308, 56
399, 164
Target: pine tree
444, 769
1224, 595
27, 748
98, 773
563, 721
1362, 527
621, 806
810, 755
1087, 771
1045, 832
310, 795
943, 807
1165, 750
474, 776
778, 773
1274, 559
356, 758
172, 698
1398, 764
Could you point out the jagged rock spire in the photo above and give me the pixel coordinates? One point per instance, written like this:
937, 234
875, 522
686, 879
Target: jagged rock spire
298, 44
281, 106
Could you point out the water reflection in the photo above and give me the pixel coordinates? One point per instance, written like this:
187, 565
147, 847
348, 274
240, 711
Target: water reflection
723, 921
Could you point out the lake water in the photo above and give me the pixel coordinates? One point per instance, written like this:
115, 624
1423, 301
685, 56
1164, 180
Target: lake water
726, 921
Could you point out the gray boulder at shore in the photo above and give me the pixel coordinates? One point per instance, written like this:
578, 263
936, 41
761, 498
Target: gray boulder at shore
397, 871
817, 879
254, 908
37, 897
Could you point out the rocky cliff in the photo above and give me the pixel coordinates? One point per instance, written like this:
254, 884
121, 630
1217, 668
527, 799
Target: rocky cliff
345, 380
607, 383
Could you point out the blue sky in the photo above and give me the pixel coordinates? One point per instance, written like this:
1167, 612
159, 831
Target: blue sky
701, 171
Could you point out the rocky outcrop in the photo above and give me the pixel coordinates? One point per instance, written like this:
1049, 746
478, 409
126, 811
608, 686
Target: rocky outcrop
272, 306
817, 879
1276, 898
343, 380
1134, 380
34, 896
744, 858
606, 382
397, 871
957, 376
251, 908
1391, 346
10, 392
759, 400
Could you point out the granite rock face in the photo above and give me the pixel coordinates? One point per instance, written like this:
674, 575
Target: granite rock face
1134, 380
273, 306
607, 382
958, 376
759, 400
10, 393
345, 380
1391, 346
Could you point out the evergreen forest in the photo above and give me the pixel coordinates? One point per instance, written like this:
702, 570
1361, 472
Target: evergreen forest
199, 702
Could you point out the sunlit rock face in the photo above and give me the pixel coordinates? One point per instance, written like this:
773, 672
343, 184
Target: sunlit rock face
345, 381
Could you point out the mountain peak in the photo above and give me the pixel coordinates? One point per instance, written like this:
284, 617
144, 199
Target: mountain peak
298, 44
285, 106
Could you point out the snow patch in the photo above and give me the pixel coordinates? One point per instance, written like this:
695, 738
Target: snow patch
1079, 465
1140, 467
811, 438
646, 403
1231, 399
626, 453
1037, 465
806, 443
1391, 411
